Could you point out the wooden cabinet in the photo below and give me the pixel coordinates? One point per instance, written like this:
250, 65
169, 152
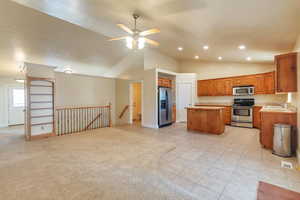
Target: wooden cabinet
286, 72
264, 84
203, 88
174, 113
228, 87
269, 83
205, 120
226, 112
268, 119
164, 82
227, 115
256, 117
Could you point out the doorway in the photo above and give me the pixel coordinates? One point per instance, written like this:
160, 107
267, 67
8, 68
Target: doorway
185, 99
12, 105
136, 102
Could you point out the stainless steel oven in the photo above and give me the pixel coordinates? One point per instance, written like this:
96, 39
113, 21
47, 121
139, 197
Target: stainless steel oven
242, 113
243, 91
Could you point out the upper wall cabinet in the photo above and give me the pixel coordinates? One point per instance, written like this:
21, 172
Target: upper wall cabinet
286, 72
164, 82
263, 83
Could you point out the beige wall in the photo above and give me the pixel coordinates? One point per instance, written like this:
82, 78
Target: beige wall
210, 70
149, 99
122, 99
80, 90
155, 59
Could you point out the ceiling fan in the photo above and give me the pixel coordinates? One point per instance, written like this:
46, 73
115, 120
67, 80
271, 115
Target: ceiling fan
137, 39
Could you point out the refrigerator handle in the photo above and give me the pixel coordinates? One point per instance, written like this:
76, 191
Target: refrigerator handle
167, 104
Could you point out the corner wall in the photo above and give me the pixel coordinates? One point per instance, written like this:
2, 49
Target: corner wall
296, 96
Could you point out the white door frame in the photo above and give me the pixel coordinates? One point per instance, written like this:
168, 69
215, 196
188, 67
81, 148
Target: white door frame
131, 101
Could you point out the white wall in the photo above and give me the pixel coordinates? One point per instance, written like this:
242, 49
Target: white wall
81, 90
210, 70
155, 59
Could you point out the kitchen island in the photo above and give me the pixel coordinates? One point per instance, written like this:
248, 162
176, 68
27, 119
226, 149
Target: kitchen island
205, 119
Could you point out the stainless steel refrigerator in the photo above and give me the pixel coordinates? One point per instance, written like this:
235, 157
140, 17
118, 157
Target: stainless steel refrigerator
164, 106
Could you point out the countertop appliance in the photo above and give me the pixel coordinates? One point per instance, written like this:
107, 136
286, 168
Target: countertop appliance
243, 90
164, 106
242, 112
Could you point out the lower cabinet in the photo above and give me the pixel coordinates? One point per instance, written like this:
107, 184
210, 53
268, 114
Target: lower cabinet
256, 117
268, 119
174, 113
226, 112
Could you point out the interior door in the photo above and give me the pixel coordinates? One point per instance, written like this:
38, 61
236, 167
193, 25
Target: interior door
16, 105
185, 95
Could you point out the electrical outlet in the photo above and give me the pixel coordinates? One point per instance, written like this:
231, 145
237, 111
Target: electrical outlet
287, 165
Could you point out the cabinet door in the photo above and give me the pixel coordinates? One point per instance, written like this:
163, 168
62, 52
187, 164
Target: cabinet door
203, 87
248, 80
259, 84
219, 87
228, 87
286, 72
211, 88
269, 83
256, 116
227, 115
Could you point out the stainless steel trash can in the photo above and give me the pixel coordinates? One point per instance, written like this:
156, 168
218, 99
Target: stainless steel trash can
282, 140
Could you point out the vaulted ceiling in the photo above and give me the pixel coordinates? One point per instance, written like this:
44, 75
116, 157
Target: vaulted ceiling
75, 32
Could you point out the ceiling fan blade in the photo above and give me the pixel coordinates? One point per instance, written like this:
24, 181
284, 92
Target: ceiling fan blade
151, 42
149, 32
118, 38
125, 28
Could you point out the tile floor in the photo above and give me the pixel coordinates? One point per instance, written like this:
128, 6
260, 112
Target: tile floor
130, 162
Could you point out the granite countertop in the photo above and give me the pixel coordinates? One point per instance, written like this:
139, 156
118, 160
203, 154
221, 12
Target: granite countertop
278, 110
204, 108
230, 104
214, 104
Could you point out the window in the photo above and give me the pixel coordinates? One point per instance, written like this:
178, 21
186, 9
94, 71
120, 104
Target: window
18, 98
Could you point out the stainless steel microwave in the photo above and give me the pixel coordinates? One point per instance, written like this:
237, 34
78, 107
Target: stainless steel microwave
243, 91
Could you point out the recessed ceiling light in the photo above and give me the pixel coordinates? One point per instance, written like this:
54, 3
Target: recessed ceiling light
220, 58
196, 57
248, 58
180, 48
242, 47
205, 47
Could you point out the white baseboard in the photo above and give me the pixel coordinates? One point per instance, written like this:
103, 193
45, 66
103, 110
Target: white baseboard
3, 125
149, 126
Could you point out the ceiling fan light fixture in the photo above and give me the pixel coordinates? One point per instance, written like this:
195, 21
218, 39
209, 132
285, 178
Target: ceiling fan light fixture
129, 42
141, 43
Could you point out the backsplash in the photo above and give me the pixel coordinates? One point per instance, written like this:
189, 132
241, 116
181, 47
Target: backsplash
259, 99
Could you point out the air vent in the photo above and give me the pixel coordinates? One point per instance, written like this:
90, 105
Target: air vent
287, 165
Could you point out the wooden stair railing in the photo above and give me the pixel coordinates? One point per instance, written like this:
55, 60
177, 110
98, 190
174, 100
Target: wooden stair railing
91, 123
123, 111
77, 119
